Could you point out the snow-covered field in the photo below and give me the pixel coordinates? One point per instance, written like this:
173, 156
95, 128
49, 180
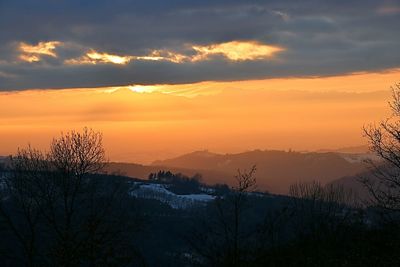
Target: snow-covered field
161, 193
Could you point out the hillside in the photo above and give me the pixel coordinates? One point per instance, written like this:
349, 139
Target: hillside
143, 171
276, 170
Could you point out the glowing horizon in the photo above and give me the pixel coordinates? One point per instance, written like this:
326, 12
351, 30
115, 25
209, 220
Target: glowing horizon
145, 123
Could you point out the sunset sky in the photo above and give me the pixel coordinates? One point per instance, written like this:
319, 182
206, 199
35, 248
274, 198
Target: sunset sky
161, 78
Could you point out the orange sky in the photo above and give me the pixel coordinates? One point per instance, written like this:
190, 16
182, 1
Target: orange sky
142, 124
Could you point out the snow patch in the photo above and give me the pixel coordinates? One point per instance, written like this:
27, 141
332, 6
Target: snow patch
161, 193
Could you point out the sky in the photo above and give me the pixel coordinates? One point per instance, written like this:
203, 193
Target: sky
160, 78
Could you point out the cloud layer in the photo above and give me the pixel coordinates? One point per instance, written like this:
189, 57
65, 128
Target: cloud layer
234, 51
67, 43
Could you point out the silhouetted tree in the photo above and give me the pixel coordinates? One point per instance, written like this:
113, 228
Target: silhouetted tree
177, 182
319, 210
384, 140
19, 205
221, 189
221, 239
63, 211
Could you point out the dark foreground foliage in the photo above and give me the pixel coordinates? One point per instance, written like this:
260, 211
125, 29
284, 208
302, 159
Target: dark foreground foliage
147, 232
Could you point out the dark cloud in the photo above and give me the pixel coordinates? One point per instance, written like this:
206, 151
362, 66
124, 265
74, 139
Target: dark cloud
321, 37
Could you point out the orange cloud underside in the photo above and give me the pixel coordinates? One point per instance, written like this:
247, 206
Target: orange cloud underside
234, 51
93, 57
33, 53
237, 51
293, 113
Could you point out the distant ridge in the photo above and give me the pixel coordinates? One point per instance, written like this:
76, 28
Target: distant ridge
276, 170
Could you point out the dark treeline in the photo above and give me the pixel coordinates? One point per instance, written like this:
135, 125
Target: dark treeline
59, 208
179, 183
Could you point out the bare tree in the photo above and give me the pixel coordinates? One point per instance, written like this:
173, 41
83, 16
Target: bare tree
82, 215
246, 182
384, 140
74, 156
19, 206
221, 238
318, 208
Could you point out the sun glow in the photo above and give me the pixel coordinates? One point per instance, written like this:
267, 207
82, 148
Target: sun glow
369, 82
143, 88
141, 121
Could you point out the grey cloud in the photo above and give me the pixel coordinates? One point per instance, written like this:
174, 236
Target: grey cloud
322, 37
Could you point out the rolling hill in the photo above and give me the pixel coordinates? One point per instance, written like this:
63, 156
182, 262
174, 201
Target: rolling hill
276, 170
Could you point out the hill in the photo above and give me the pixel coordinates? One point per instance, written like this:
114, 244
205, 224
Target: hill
142, 171
276, 170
